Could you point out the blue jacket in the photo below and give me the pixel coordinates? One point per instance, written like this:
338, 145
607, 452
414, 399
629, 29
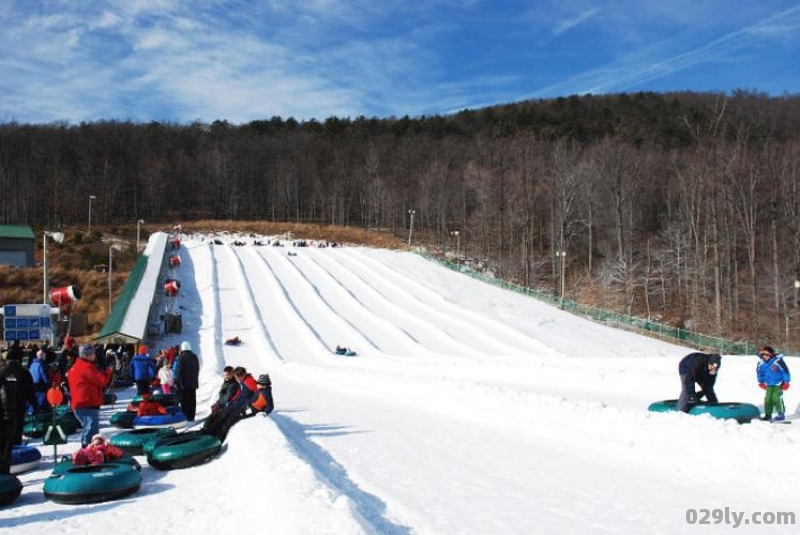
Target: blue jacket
773, 372
142, 368
39, 375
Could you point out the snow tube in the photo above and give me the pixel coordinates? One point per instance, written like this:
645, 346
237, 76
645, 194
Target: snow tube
233, 341
36, 425
346, 352
24, 459
10, 488
122, 419
168, 400
134, 441
183, 450
732, 410
92, 484
66, 463
175, 418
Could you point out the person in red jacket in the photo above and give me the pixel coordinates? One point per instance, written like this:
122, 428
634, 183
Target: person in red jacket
149, 407
99, 451
86, 384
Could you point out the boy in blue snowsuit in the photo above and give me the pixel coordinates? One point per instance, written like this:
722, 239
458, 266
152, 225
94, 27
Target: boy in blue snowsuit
773, 376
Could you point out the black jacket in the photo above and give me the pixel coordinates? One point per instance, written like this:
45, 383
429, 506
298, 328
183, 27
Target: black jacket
16, 391
693, 368
188, 376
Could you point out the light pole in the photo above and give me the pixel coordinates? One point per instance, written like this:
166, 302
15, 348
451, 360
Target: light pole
562, 257
111, 249
58, 237
138, 226
458, 246
411, 226
91, 198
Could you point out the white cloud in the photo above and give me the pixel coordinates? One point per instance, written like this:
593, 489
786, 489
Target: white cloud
570, 23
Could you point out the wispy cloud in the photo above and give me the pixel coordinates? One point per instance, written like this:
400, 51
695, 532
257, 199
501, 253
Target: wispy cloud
568, 24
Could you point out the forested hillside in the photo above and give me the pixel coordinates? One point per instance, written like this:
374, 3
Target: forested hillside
679, 207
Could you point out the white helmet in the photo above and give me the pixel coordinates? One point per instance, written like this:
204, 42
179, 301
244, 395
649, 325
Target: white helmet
186, 346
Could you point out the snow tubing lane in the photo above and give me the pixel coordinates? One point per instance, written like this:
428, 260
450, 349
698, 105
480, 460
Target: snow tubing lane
66, 463
133, 442
176, 419
24, 459
10, 488
123, 419
732, 410
183, 451
92, 484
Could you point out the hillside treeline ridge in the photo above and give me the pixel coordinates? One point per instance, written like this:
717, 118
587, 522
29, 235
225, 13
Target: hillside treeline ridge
681, 207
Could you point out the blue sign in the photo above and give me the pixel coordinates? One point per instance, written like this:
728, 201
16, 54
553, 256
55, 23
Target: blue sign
27, 322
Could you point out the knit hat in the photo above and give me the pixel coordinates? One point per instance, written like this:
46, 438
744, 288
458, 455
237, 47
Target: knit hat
142, 350
264, 379
99, 437
86, 350
768, 350
714, 360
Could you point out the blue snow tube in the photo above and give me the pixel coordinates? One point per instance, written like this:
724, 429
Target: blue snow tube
731, 410
92, 484
24, 459
10, 488
66, 463
174, 418
134, 441
183, 450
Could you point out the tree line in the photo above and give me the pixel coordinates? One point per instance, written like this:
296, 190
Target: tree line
680, 207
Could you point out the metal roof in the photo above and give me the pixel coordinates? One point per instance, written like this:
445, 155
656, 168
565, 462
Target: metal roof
17, 232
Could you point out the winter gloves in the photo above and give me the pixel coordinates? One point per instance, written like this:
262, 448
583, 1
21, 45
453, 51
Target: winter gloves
763, 386
785, 386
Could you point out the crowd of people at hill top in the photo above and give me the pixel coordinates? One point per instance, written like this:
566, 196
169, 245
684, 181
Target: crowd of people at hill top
81, 375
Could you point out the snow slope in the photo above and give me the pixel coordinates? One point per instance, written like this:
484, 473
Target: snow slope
468, 410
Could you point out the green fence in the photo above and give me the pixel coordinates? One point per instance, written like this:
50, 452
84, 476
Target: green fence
644, 326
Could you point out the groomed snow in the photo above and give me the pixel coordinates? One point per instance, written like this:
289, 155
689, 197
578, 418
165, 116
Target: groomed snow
467, 410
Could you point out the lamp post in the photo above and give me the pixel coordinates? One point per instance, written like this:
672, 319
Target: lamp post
562, 257
411, 226
458, 246
138, 226
91, 198
58, 237
111, 249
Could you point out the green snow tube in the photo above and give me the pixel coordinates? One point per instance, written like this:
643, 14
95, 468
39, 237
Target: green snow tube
167, 400
10, 488
183, 450
122, 419
92, 484
36, 425
133, 441
731, 410
66, 463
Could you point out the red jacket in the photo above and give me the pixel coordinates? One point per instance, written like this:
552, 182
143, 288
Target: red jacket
86, 383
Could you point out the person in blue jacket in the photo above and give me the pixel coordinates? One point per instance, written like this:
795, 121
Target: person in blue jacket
773, 376
701, 369
41, 380
142, 370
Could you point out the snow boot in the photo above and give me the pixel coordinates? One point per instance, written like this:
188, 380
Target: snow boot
780, 417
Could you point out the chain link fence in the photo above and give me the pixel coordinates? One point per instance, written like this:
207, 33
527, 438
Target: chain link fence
644, 326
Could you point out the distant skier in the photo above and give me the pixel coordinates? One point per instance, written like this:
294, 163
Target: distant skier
701, 369
773, 376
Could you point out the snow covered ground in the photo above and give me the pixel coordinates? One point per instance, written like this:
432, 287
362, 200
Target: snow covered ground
467, 410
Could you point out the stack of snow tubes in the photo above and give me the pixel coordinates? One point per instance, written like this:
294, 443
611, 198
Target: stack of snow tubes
36, 424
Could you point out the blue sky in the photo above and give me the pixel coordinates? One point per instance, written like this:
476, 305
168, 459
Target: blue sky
240, 60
